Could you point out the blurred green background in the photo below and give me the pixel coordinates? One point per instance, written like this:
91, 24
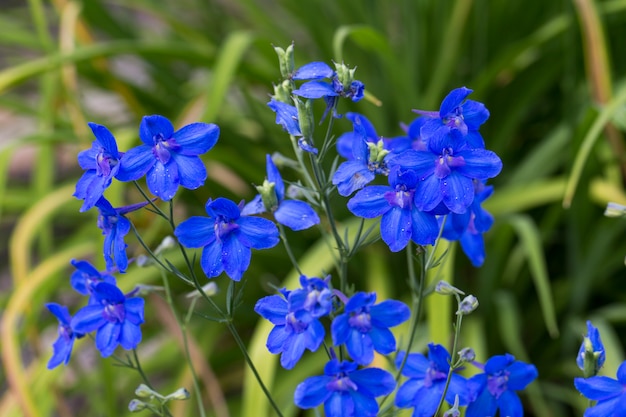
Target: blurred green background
552, 74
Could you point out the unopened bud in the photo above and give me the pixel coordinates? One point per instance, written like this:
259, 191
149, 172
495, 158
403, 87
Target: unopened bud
179, 394
168, 242
136, 405
467, 354
444, 288
285, 60
615, 210
305, 118
454, 411
467, 305
208, 289
268, 195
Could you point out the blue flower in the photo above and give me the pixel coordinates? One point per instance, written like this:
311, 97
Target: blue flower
456, 114
101, 162
114, 227
86, 277
468, 227
115, 318
315, 296
591, 355
609, 393
168, 157
427, 380
401, 219
364, 327
286, 116
62, 347
361, 125
295, 328
226, 237
495, 388
295, 214
344, 390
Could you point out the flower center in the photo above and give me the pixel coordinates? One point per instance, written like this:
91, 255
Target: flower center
496, 384
446, 162
223, 227
432, 375
114, 313
361, 321
296, 326
341, 383
105, 163
163, 147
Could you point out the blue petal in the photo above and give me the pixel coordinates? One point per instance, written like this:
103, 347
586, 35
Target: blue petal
297, 215
395, 228
119, 246
621, 372
453, 100
134, 310
255, 206
521, 374
344, 145
365, 126
474, 114
351, 176
407, 393
498, 363
484, 405
61, 352
363, 405
106, 139
473, 246
107, 338
427, 400
598, 388
257, 233
415, 366
235, 257
195, 232
135, 163
87, 158
424, 228
479, 163
130, 335
421, 162
428, 193
312, 392
88, 319
340, 404
163, 180
510, 404
340, 329
293, 350
373, 382
457, 192
607, 408
313, 71
383, 340
370, 202
155, 126
389, 313
211, 260
360, 347
458, 386
277, 339
286, 116
222, 207
475, 140
314, 335
196, 138
60, 312
315, 89
191, 170
272, 308
273, 175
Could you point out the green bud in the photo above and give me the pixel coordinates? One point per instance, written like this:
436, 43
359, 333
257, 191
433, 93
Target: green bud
268, 195
345, 75
143, 391
136, 405
305, 118
179, 394
285, 60
282, 92
377, 153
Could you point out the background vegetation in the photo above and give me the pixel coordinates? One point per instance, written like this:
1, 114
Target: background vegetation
551, 73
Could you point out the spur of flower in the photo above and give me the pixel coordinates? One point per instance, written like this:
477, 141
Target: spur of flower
295, 327
86, 277
62, 347
226, 237
609, 393
295, 214
364, 327
427, 380
495, 389
101, 163
401, 220
345, 390
115, 318
169, 158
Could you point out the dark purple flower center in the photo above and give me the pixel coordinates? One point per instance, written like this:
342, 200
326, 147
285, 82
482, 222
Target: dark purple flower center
446, 162
114, 313
361, 320
163, 147
401, 197
341, 383
65, 332
296, 326
455, 120
105, 163
107, 223
223, 227
496, 383
433, 375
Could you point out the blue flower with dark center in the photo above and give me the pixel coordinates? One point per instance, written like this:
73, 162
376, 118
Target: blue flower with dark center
115, 318
364, 327
226, 237
609, 393
427, 380
295, 328
456, 114
168, 157
86, 277
468, 227
591, 355
401, 219
315, 296
295, 214
286, 116
495, 389
345, 390
101, 162
62, 347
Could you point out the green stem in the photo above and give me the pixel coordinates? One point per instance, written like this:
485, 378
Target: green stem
292, 258
139, 369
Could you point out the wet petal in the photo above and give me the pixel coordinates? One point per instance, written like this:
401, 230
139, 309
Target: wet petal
370, 202
235, 257
135, 163
191, 170
313, 71
195, 232
163, 180
315, 89
457, 192
297, 215
395, 228
257, 232
453, 100
211, 260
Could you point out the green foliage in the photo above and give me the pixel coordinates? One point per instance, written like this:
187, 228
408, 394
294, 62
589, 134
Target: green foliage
556, 121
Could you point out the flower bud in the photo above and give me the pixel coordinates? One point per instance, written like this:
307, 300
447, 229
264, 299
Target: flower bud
305, 118
282, 92
467, 354
444, 288
377, 153
209, 290
591, 355
285, 60
168, 242
136, 405
615, 210
467, 305
454, 411
268, 195
179, 394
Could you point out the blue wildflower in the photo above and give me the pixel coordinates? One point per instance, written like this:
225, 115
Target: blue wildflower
286, 116
168, 157
364, 327
401, 219
609, 393
226, 237
114, 227
468, 227
362, 125
62, 347
101, 162
591, 355
295, 214
315, 296
295, 328
115, 318
86, 277
344, 390
427, 380
495, 388
456, 114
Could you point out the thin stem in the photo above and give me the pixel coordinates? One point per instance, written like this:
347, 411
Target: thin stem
139, 369
292, 258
